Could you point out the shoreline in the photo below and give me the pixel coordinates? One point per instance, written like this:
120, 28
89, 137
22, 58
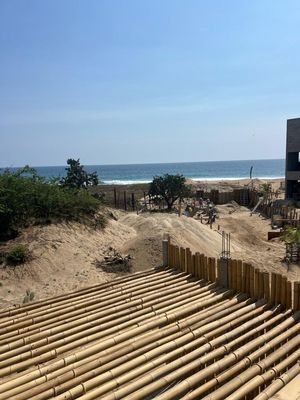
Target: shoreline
206, 179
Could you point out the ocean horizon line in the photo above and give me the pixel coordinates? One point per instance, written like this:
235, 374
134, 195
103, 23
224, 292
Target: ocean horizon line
147, 163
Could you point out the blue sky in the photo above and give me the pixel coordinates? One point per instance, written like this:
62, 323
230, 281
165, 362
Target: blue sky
135, 81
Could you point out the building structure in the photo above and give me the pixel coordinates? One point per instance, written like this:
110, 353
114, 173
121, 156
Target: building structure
292, 167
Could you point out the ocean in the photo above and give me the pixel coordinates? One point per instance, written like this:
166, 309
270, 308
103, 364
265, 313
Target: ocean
207, 170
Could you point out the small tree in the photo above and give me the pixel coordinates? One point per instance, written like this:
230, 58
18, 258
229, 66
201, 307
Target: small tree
266, 190
77, 177
169, 188
291, 237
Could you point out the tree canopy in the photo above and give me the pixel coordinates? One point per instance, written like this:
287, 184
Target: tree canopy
169, 188
77, 177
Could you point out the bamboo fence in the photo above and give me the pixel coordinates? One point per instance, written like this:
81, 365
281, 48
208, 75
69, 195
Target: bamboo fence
241, 276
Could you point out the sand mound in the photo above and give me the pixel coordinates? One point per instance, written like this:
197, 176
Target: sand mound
184, 231
65, 255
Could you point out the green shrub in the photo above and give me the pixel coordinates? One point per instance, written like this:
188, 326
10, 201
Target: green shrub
17, 255
26, 199
28, 297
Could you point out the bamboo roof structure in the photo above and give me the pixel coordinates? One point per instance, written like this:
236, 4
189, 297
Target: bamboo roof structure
159, 334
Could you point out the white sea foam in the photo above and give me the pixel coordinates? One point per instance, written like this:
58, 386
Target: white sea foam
119, 182
203, 179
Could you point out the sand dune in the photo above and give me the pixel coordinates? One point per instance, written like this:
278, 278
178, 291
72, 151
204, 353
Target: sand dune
64, 255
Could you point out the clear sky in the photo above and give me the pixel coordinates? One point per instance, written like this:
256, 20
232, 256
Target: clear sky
133, 81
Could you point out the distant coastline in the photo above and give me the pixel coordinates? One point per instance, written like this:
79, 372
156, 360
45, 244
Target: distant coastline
197, 171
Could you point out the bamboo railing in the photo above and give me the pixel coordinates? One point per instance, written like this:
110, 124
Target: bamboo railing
239, 275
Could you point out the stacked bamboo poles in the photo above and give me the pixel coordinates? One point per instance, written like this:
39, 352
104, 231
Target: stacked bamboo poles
160, 333
86, 331
209, 296
209, 365
242, 277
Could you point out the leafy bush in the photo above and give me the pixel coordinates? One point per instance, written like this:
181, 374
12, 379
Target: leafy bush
17, 255
26, 199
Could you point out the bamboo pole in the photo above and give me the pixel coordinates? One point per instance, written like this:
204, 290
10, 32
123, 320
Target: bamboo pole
296, 305
193, 262
230, 273
170, 367
218, 270
273, 288
251, 271
279, 383
197, 265
189, 261
234, 274
283, 290
278, 289
288, 301
256, 283
266, 278
204, 316
240, 276
196, 378
235, 370
183, 259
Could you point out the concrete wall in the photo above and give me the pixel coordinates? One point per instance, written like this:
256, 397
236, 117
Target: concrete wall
292, 168
293, 135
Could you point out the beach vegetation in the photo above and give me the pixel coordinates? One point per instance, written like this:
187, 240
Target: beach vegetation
169, 188
265, 189
291, 236
77, 177
29, 296
27, 199
19, 254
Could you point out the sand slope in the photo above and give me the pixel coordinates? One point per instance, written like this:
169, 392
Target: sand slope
64, 254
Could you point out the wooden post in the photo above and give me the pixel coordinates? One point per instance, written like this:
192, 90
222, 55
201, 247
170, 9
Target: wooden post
239, 275
278, 289
193, 265
118, 199
115, 197
288, 301
266, 286
251, 272
132, 201
188, 259
248, 279
283, 290
165, 247
296, 305
229, 272
243, 278
202, 274
125, 204
197, 265
176, 257
218, 271
214, 272
273, 288
182, 259
256, 283
234, 274
205, 268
